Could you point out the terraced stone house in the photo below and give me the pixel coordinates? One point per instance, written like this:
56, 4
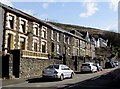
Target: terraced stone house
30, 44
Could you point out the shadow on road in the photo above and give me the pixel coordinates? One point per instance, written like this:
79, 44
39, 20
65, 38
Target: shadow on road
108, 81
38, 80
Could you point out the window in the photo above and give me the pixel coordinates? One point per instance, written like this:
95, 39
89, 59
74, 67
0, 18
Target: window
35, 45
69, 51
52, 47
11, 21
77, 43
77, 51
58, 37
22, 43
22, 26
64, 39
58, 49
10, 42
44, 32
43, 47
36, 29
68, 40
52, 34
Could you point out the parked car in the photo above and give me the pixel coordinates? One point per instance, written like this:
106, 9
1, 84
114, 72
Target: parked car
88, 67
59, 71
110, 64
99, 68
116, 63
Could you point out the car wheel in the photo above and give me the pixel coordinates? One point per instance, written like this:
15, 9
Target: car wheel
93, 71
71, 75
61, 77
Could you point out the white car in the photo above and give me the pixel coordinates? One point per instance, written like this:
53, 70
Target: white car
58, 71
88, 67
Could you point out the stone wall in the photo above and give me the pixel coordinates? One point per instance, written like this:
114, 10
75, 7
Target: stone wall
33, 67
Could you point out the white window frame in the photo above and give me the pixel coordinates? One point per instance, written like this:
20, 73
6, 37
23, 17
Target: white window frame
68, 40
58, 37
8, 23
64, 38
45, 46
58, 49
35, 41
52, 35
69, 51
26, 25
44, 29
35, 25
26, 42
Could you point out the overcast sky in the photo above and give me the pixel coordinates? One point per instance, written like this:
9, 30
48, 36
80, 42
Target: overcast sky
103, 15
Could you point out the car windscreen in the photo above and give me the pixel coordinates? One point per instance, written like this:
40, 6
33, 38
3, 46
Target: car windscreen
53, 66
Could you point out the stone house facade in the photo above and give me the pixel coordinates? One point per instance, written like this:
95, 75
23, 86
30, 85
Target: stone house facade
30, 44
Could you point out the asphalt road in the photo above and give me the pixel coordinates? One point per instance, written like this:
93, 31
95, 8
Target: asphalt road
80, 81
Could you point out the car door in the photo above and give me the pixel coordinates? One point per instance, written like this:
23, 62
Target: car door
65, 71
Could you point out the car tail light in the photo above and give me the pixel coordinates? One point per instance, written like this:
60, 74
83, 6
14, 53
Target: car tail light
55, 72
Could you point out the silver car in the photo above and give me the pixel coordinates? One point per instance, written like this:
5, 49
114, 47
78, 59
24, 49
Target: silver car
58, 71
88, 67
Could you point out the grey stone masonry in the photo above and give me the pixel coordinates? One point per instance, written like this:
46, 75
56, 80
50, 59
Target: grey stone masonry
30, 67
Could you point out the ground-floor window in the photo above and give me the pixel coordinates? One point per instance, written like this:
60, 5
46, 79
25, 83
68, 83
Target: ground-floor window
43, 47
22, 43
10, 41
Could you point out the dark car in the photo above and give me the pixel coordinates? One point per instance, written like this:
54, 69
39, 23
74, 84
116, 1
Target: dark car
110, 65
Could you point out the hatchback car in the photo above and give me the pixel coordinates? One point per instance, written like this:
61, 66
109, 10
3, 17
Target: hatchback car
59, 71
88, 67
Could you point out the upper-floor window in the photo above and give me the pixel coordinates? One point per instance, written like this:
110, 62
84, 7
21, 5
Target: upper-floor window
64, 39
22, 26
44, 32
52, 35
58, 37
36, 29
11, 21
77, 43
68, 40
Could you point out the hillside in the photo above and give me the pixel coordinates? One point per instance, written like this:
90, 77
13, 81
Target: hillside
113, 38
92, 31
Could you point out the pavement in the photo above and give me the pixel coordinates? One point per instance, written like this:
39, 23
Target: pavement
6, 82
